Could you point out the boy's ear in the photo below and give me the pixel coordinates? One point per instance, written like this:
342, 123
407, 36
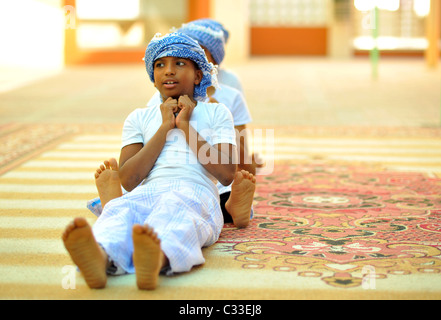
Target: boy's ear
198, 77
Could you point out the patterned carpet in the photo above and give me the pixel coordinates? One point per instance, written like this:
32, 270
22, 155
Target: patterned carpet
342, 213
344, 226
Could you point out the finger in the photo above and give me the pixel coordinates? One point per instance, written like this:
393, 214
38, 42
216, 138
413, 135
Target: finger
170, 99
181, 101
173, 102
170, 105
184, 99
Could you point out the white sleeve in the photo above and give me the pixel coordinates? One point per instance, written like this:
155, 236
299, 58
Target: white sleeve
132, 131
223, 126
229, 78
241, 114
155, 99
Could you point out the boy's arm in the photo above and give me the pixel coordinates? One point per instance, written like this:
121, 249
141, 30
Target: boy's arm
219, 160
136, 160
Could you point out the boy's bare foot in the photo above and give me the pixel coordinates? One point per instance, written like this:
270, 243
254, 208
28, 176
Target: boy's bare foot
107, 181
86, 253
147, 257
241, 198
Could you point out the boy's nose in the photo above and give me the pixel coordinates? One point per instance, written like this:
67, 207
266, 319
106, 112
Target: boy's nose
169, 69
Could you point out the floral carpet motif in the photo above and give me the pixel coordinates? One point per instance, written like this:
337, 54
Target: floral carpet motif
21, 142
344, 224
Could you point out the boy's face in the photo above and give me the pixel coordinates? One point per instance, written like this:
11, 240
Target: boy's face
175, 77
208, 54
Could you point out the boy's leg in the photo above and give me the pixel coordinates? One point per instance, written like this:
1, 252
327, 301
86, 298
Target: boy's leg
86, 252
241, 198
148, 257
238, 204
107, 181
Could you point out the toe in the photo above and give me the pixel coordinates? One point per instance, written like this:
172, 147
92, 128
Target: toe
80, 222
70, 227
149, 231
76, 223
238, 177
113, 164
138, 229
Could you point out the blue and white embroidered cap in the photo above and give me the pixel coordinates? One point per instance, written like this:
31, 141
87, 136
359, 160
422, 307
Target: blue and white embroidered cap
215, 25
180, 45
210, 34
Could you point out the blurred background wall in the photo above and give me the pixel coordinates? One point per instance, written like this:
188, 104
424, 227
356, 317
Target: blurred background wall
55, 33
32, 33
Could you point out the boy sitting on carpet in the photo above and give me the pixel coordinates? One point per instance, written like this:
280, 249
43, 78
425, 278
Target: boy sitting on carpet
177, 150
236, 199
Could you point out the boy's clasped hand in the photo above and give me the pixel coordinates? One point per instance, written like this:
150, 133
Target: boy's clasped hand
174, 112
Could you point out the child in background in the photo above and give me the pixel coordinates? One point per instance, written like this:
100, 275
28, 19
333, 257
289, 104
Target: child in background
172, 209
224, 76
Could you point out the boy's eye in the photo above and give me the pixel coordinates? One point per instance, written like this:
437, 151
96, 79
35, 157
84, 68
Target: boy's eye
159, 64
180, 63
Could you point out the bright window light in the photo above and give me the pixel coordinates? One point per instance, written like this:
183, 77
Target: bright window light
32, 34
364, 5
367, 5
390, 5
108, 9
421, 7
390, 43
